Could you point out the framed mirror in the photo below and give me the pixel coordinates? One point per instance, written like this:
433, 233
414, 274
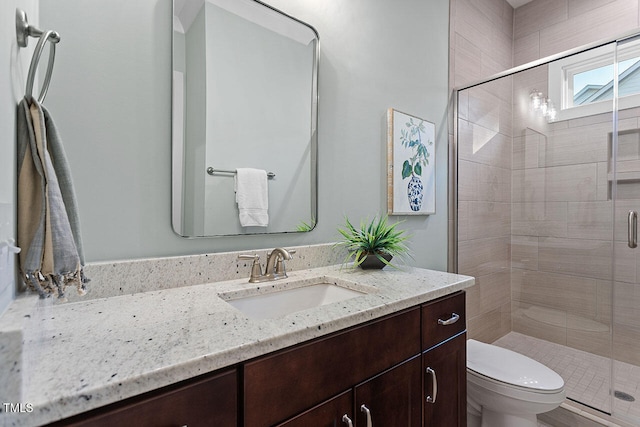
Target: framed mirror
245, 95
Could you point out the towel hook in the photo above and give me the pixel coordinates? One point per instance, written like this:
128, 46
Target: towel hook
23, 31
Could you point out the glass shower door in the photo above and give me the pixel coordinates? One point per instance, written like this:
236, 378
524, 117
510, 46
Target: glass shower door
535, 209
562, 245
625, 183
547, 199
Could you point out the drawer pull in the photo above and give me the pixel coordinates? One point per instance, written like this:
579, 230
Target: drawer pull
368, 412
450, 321
347, 420
434, 386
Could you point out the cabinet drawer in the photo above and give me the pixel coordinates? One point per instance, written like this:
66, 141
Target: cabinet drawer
437, 312
210, 401
281, 385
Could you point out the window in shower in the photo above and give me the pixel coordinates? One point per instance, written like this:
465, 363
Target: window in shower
582, 85
596, 84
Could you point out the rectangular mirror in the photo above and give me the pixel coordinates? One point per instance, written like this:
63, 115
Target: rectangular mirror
244, 96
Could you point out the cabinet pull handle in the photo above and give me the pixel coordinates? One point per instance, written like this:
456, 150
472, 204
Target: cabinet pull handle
347, 420
366, 410
434, 386
450, 321
632, 229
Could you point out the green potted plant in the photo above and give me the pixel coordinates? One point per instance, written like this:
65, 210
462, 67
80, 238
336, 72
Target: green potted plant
373, 244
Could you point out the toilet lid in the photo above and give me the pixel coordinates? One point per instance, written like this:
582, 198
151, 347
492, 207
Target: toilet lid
510, 367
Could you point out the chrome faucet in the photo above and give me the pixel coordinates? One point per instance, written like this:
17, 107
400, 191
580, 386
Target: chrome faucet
275, 268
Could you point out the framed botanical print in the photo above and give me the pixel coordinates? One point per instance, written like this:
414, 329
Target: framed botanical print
410, 165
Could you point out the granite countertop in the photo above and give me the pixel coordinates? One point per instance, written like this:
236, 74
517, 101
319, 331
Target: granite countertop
82, 355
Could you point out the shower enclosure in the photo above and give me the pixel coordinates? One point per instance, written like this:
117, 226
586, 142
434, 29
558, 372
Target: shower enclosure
547, 186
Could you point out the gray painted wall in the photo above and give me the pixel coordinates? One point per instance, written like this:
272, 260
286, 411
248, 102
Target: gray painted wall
110, 97
14, 63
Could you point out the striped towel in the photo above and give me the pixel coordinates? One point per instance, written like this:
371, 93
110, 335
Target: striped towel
48, 226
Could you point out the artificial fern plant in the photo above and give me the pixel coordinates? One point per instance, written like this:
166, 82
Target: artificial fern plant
374, 238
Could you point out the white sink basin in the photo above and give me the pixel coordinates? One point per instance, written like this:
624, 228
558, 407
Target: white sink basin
268, 303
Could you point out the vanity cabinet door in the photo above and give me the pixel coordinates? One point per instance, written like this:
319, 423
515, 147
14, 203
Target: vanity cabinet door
393, 398
331, 413
281, 385
445, 378
210, 401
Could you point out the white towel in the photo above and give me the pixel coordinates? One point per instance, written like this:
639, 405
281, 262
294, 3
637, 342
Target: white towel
252, 196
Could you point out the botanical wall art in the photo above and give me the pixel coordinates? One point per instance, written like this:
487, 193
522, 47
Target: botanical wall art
411, 156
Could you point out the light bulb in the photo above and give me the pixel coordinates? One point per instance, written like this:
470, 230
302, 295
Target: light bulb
551, 111
544, 106
536, 99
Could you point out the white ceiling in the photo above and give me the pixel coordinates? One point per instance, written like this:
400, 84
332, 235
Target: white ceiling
517, 3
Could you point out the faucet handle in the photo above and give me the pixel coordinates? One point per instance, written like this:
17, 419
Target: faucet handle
280, 268
256, 268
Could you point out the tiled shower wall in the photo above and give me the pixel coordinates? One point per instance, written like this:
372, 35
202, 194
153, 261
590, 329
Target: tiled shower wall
546, 27
484, 206
481, 45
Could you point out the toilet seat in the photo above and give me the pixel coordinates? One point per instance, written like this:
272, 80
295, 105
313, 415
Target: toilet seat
499, 368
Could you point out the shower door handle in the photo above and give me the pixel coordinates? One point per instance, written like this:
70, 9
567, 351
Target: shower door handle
632, 228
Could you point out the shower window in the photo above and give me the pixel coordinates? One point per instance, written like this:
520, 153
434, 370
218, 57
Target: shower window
582, 85
596, 84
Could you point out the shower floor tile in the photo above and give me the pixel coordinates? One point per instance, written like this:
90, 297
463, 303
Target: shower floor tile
586, 376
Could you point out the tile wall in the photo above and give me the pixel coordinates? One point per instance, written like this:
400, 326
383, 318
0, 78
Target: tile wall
546, 27
481, 45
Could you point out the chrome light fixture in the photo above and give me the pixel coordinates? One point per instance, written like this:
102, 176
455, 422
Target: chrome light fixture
542, 105
536, 99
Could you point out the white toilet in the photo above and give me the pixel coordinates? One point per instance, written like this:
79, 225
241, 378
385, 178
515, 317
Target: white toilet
507, 389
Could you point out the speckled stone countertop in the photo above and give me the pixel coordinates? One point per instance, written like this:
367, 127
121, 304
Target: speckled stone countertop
82, 355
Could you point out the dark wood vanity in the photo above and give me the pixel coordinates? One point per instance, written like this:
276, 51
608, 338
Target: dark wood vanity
405, 369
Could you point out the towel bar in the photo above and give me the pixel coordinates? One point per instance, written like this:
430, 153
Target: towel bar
212, 171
